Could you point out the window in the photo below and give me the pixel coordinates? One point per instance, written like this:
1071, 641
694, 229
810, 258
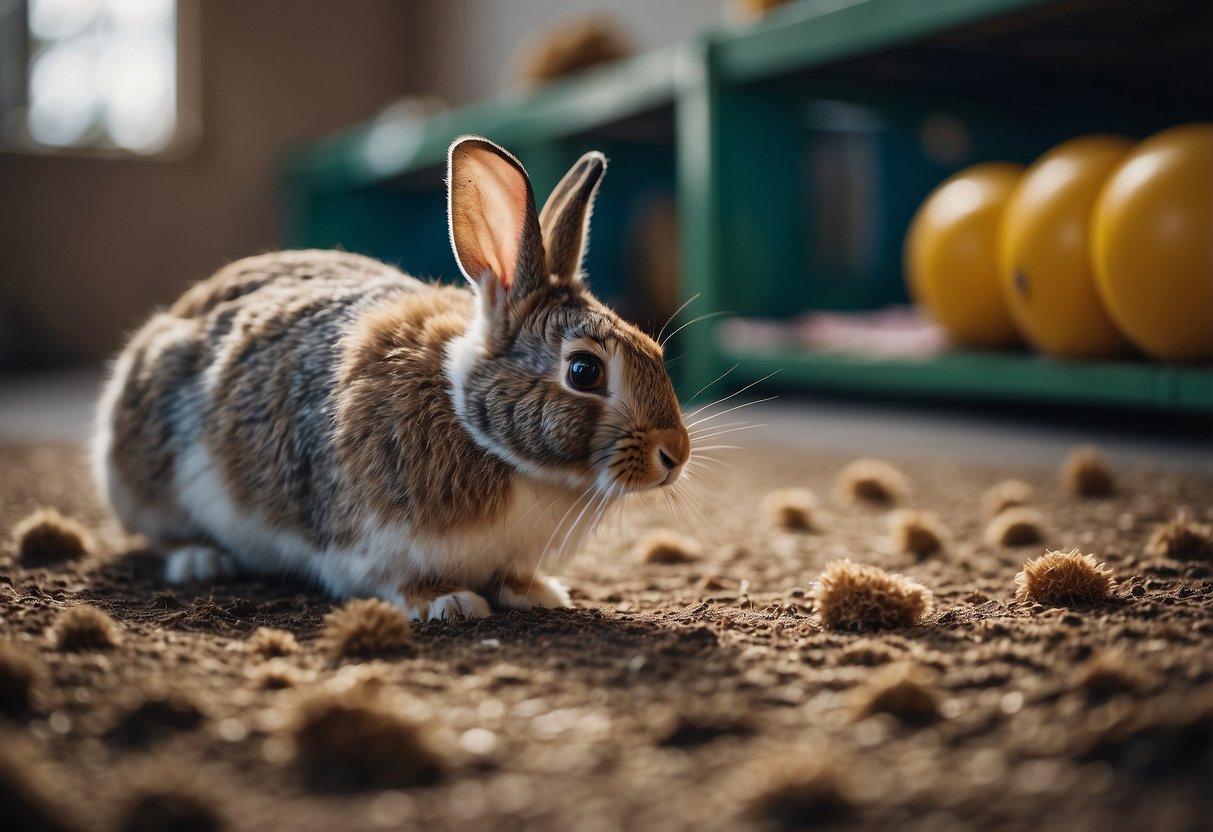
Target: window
91, 74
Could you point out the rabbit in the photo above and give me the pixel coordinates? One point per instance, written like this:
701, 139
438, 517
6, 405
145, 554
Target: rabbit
324, 415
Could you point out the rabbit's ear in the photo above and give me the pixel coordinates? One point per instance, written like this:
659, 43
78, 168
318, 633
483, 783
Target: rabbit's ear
566, 216
494, 228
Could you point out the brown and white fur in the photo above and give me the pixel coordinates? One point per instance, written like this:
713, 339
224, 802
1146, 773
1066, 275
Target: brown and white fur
322, 414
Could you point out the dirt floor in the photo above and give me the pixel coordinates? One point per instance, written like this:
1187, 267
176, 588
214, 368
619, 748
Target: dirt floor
696, 695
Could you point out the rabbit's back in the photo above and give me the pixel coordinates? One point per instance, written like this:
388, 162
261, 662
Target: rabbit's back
228, 398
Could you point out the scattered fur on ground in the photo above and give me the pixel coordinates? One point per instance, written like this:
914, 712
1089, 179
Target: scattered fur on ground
858, 596
352, 740
918, 532
1182, 539
792, 509
1004, 495
1016, 526
366, 627
46, 537
21, 672
84, 627
270, 643
1063, 578
905, 691
706, 695
870, 482
663, 546
1085, 473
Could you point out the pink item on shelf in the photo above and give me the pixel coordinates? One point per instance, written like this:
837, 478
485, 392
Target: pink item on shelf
893, 332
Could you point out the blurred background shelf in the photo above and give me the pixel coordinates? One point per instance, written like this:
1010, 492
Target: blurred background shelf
974, 375
773, 170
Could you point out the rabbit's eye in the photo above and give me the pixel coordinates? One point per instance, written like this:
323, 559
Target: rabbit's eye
586, 373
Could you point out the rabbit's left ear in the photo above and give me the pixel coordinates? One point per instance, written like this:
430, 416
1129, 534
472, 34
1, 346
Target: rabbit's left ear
565, 219
494, 229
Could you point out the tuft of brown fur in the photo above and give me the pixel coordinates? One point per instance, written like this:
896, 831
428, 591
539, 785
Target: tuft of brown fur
46, 537
905, 691
1063, 578
795, 791
918, 532
352, 740
1019, 526
275, 674
21, 673
1109, 674
1004, 495
271, 643
25, 791
856, 596
1182, 539
85, 627
573, 47
1085, 473
366, 627
668, 548
792, 509
165, 809
870, 482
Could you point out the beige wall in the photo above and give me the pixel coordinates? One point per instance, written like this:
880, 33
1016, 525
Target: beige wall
88, 245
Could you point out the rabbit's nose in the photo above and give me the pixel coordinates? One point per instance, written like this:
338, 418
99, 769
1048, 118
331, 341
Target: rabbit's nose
671, 450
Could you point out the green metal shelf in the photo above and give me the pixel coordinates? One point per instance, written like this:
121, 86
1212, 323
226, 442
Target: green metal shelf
815, 32
727, 121
981, 375
378, 152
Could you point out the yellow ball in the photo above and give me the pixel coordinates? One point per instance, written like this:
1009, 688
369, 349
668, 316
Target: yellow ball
1044, 250
1153, 244
950, 255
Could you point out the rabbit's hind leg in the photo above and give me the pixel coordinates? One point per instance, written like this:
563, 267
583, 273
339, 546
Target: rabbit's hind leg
188, 563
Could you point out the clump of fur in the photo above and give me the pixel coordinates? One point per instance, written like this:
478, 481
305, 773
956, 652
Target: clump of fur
668, 548
275, 674
25, 791
792, 509
1005, 495
795, 791
1063, 578
573, 47
158, 716
905, 691
272, 643
918, 532
20, 675
84, 627
859, 597
1109, 674
159, 809
1182, 539
1019, 526
46, 537
1085, 473
871, 482
351, 740
366, 627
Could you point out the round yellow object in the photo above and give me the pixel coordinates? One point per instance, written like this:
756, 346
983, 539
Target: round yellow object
1044, 250
950, 255
1153, 244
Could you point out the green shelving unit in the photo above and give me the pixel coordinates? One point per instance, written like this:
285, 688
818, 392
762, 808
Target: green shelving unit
797, 153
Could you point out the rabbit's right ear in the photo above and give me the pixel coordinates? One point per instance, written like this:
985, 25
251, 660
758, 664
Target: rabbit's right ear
494, 227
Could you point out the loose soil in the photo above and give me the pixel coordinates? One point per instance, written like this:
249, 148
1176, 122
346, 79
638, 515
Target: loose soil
676, 695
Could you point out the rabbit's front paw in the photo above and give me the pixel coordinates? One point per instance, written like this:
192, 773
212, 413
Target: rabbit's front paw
198, 563
532, 591
436, 603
